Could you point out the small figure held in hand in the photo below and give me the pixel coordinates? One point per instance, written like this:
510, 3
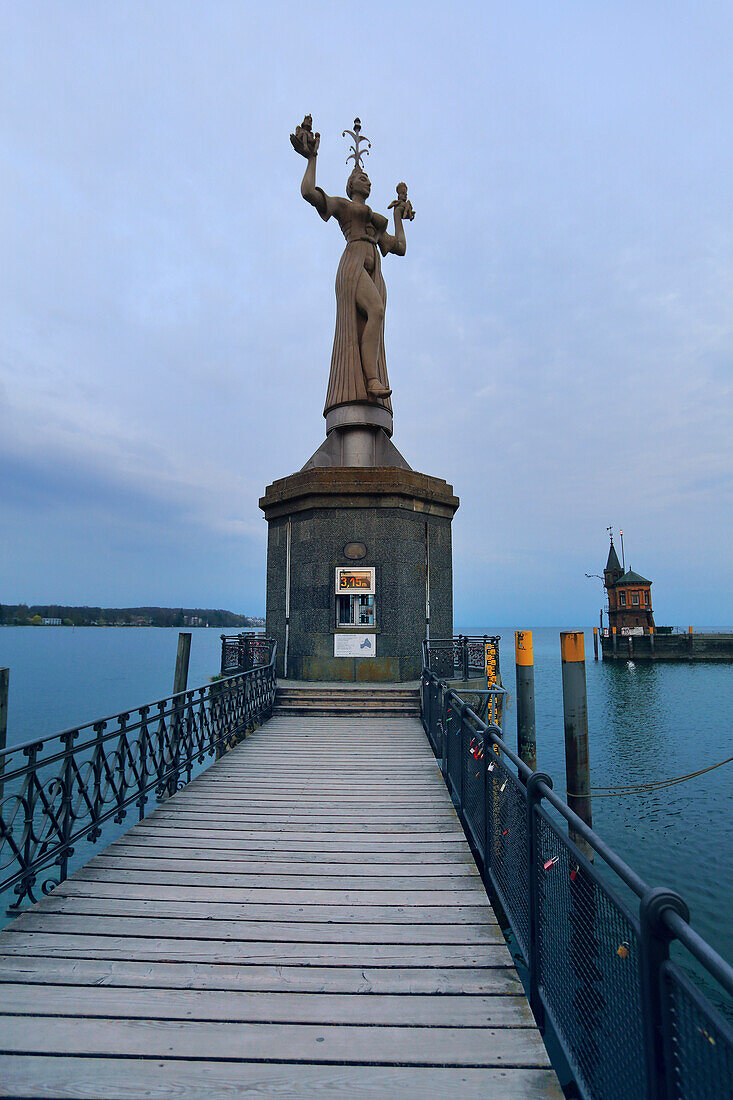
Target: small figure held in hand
402, 205
304, 141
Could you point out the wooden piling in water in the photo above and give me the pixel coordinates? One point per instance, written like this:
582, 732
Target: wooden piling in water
526, 727
575, 709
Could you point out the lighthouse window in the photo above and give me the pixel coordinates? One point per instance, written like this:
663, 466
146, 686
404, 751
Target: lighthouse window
635, 599
646, 599
355, 610
622, 599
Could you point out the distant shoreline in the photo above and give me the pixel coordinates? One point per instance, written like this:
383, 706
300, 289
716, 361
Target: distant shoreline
180, 617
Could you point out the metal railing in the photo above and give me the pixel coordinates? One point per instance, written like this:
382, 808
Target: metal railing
59, 791
460, 657
594, 938
241, 652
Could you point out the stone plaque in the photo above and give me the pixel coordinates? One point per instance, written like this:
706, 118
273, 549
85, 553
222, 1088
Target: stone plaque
354, 645
354, 551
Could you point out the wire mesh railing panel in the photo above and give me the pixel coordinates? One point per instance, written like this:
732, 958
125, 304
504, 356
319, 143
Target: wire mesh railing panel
699, 1040
507, 860
589, 974
474, 789
452, 736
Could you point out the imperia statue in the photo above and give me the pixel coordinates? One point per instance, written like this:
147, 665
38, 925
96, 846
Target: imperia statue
358, 364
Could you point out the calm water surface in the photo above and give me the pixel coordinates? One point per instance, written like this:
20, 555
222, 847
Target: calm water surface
646, 721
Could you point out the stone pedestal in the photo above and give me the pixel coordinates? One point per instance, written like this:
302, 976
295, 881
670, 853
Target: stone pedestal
388, 519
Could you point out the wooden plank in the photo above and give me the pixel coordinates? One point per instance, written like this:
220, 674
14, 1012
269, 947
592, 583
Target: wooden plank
149, 831
111, 1079
388, 1045
154, 948
103, 888
231, 879
277, 873
224, 910
219, 848
271, 931
192, 974
306, 841
315, 1008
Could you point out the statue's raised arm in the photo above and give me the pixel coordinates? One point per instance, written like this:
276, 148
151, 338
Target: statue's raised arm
358, 364
305, 142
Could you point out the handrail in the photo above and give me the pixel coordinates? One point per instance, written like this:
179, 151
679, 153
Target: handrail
627, 1018
57, 791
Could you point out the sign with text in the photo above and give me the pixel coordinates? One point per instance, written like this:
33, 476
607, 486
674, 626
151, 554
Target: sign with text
354, 645
357, 581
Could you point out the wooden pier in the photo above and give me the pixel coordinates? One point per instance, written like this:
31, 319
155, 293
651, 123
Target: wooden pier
303, 919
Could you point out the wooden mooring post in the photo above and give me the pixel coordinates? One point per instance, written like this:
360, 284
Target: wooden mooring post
180, 676
180, 683
575, 709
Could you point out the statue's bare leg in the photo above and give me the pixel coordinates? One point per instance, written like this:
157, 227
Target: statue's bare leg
372, 306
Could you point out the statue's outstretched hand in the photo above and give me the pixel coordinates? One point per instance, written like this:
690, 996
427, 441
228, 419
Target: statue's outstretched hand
402, 205
304, 141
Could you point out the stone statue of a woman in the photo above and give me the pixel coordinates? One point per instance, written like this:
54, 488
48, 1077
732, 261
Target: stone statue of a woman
358, 364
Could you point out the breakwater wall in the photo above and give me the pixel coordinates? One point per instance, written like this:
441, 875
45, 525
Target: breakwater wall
668, 647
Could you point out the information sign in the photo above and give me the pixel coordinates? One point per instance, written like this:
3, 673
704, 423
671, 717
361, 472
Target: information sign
354, 645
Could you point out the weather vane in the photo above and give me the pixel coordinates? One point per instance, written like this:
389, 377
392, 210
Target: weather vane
356, 153
610, 531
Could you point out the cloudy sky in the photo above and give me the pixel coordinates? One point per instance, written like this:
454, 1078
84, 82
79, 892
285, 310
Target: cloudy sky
559, 335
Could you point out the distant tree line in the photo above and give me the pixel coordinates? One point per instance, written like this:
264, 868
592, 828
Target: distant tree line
33, 615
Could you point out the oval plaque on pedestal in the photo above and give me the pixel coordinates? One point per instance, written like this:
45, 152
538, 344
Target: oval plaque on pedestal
354, 551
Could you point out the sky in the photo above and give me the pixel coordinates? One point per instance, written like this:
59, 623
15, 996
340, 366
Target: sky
559, 335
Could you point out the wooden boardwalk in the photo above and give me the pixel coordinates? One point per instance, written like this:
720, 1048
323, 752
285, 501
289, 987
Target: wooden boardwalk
304, 919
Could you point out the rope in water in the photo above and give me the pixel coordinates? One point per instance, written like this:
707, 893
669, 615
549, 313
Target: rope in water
653, 785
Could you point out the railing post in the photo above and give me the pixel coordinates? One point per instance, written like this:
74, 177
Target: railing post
575, 708
464, 657
534, 797
526, 730
4, 687
595, 643
654, 951
67, 820
461, 726
444, 752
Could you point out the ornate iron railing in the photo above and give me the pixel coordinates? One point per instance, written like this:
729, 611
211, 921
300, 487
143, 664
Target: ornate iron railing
461, 657
241, 652
58, 792
594, 938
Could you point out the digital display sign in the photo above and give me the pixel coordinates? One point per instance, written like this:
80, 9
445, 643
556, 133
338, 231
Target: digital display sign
355, 581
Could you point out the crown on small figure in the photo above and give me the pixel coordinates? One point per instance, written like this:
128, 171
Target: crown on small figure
356, 152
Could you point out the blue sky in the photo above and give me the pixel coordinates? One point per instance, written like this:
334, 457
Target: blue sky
559, 335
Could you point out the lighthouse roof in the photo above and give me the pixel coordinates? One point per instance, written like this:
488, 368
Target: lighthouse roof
630, 577
613, 563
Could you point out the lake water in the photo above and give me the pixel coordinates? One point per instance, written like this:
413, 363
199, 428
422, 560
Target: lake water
647, 721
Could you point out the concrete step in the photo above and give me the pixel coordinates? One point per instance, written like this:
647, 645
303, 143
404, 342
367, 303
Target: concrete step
350, 699
327, 710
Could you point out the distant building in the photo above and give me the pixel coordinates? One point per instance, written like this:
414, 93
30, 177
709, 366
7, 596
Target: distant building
51, 622
629, 597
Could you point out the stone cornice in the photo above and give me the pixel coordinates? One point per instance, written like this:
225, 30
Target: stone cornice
359, 487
